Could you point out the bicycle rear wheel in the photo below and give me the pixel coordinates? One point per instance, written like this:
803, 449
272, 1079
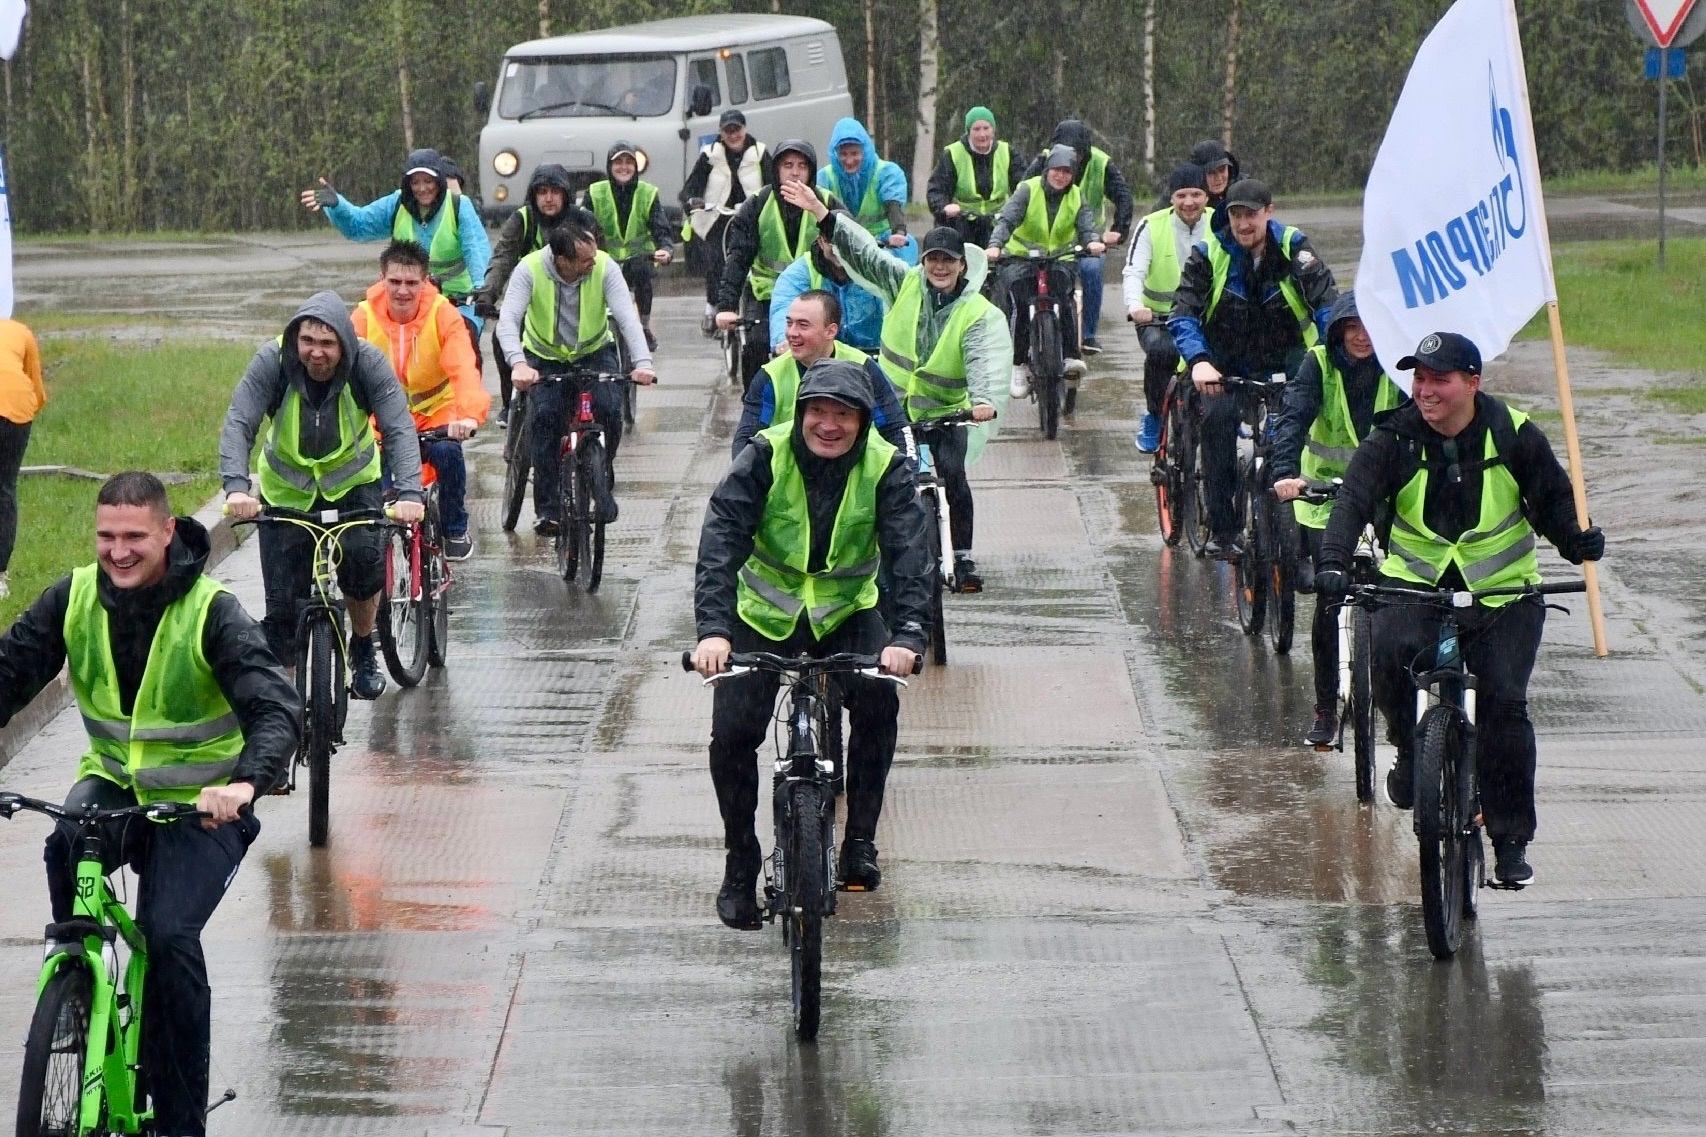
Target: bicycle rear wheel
597, 472
1164, 475
50, 1094
322, 728
1441, 826
405, 615
1250, 581
518, 460
1281, 543
1362, 701
1191, 510
436, 570
808, 883
569, 518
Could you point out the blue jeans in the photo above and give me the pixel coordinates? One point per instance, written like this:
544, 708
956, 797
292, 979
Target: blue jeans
1090, 275
446, 458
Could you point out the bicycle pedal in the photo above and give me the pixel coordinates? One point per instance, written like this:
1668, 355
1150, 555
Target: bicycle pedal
1323, 749
280, 790
1157, 476
1505, 886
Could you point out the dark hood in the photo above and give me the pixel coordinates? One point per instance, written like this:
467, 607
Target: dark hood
329, 309
1075, 134
1344, 308
186, 558
826, 478
550, 174
431, 160
796, 146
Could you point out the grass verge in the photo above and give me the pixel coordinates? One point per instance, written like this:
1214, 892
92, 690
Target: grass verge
111, 408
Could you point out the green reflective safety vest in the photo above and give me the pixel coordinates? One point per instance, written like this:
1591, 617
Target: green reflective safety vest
965, 178
784, 372
539, 326
1333, 435
1094, 183
444, 255
1161, 286
774, 252
1497, 553
636, 239
1034, 230
937, 386
1220, 261
292, 479
181, 733
774, 588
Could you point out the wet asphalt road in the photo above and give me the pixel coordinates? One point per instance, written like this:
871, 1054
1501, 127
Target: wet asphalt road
1118, 898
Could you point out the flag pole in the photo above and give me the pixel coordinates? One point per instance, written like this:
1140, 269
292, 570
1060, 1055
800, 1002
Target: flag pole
1560, 367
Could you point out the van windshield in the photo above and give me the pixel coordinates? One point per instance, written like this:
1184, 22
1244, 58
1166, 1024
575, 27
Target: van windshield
637, 86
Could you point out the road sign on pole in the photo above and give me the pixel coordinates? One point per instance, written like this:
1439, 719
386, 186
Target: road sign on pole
1690, 24
1664, 17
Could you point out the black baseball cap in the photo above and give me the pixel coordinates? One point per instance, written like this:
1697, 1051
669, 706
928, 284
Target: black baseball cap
1249, 193
731, 117
1444, 351
943, 239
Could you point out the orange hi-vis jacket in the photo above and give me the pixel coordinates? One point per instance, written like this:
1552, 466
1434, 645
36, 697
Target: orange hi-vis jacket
431, 354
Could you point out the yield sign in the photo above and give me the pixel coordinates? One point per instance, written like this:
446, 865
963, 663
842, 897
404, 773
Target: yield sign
1664, 17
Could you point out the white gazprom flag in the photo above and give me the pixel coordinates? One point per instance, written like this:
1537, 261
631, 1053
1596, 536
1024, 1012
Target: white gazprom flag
5, 242
1454, 230
11, 26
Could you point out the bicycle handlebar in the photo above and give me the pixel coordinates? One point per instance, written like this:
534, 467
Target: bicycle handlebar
801, 666
582, 374
161, 811
958, 418
1375, 595
1259, 383
278, 514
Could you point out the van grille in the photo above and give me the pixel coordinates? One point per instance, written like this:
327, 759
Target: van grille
814, 52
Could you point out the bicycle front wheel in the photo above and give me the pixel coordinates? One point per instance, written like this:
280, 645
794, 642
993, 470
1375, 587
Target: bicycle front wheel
322, 729
1281, 544
1250, 582
1362, 701
1441, 826
518, 461
50, 1096
569, 517
596, 473
404, 615
436, 570
808, 884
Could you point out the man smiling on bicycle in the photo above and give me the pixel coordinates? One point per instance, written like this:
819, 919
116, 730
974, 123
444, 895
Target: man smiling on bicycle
788, 561
323, 388
1469, 482
156, 646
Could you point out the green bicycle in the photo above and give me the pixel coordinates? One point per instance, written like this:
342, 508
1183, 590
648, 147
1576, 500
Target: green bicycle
82, 1057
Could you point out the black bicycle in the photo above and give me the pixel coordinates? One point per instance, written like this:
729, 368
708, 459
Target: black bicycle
1047, 348
737, 347
1265, 577
800, 885
1446, 809
1176, 473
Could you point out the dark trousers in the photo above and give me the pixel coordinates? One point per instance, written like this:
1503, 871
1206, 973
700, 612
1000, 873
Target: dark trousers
14, 437
1324, 632
1160, 362
183, 871
757, 352
287, 566
639, 275
1499, 645
711, 256
948, 452
1218, 432
548, 406
741, 713
1018, 288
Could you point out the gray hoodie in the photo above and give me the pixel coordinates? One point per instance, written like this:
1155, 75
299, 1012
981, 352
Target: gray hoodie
276, 368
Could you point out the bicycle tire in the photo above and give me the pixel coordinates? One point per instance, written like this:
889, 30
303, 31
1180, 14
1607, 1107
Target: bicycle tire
1282, 545
807, 886
1250, 586
438, 600
1164, 474
1048, 353
1439, 824
405, 615
518, 461
567, 541
1191, 509
51, 1092
831, 736
592, 533
624, 366
1362, 701
938, 621
322, 729
630, 403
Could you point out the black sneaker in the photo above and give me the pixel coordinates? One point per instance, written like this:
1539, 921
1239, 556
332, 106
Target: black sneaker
1071, 402
459, 547
1401, 784
966, 578
737, 900
366, 681
1226, 547
859, 871
1091, 347
1305, 574
1510, 861
1326, 728
545, 526
503, 418
606, 500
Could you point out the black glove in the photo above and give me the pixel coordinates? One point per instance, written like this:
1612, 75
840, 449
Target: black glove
326, 196
1588, 545
485, 309
1334, 584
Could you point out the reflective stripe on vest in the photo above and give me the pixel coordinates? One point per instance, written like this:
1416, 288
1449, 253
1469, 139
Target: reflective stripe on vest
774, 252
1497, 553
416, 363
539, 327
936, 387
1035, 231
444, 253
1333, 436
784, 372
774, 588
294, 480
965, 178
634, 240
1161, 285
1221, 262
182, 733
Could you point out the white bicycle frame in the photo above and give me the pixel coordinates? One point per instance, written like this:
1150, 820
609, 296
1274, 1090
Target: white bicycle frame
944, 532
1367, 550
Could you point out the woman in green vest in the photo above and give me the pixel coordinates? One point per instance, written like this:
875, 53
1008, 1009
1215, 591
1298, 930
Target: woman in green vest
1340, 392
633, 227
972, 179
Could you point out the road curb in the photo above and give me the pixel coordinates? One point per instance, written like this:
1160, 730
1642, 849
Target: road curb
56, 696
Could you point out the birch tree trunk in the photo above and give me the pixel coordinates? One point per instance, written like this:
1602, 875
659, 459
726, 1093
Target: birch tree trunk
544, 18
924, 132
1230, 103
870, 65
1149, 88
398, 15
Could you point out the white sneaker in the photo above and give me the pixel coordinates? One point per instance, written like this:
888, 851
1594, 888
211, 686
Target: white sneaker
1020, 385
5, 587
1076, 367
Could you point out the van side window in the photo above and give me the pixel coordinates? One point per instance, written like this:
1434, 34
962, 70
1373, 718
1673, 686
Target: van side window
737, 77
704, 72
769, 73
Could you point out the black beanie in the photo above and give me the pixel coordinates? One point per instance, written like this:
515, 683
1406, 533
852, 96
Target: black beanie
1187, 176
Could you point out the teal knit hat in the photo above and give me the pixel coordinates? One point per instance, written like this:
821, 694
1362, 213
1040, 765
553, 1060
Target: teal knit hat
979, 114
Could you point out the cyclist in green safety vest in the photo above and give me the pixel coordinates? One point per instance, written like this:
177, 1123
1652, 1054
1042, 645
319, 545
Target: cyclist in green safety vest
1159, 250
634, 228
1469, 483
972, 180
788, 560
1103, 185
320, 384
1252, 298
182, 701
1339, 393
556, 316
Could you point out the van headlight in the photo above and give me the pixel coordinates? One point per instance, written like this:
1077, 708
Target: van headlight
641, 161
506, 163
